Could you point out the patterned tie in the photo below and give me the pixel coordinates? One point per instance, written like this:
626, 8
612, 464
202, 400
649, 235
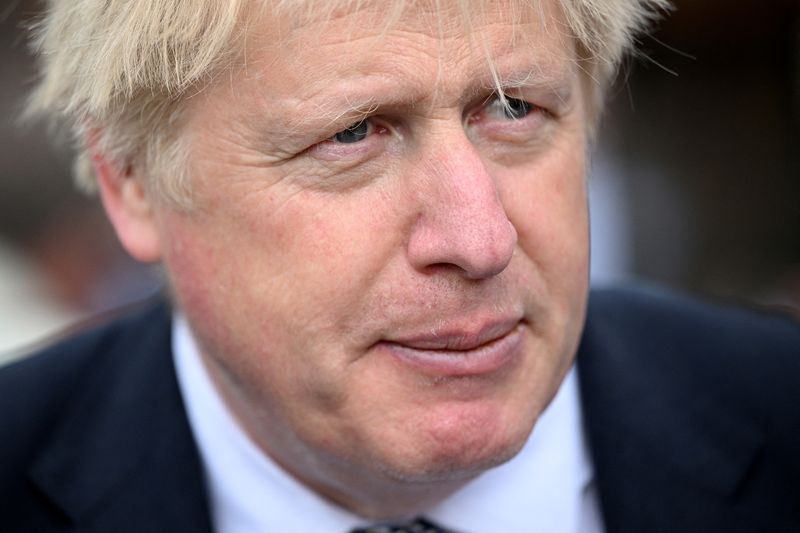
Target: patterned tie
418, 525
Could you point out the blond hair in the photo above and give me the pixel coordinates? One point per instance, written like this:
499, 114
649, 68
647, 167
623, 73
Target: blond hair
119, 71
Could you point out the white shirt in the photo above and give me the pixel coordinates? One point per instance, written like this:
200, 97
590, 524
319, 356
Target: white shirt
547, 487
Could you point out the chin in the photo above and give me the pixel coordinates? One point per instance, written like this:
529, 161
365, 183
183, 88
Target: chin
453, 451
450, 469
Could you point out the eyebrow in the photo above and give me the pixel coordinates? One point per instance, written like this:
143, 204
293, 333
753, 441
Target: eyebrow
352, 101
354, 108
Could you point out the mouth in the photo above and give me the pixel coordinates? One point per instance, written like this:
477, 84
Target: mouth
460, 352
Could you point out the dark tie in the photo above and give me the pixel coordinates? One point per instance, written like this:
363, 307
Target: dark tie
418, 525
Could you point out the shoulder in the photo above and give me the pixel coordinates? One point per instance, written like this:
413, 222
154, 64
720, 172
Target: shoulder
40, 390
691, 409
96, 434
52, 373
650, 327
749, 357
680, 317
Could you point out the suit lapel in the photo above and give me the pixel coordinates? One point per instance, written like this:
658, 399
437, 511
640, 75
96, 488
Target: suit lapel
668, 454
123, 458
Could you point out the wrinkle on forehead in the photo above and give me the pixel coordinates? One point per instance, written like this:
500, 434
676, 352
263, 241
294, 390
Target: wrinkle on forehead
414, 63
440, 20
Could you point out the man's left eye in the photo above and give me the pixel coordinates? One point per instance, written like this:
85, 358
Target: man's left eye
352, 134
512, 108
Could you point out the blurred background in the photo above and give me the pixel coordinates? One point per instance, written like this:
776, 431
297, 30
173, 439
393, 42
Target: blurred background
694, 185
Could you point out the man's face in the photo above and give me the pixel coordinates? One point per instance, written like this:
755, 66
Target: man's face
387, 271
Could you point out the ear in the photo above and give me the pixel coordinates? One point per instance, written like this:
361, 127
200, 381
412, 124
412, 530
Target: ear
128, 206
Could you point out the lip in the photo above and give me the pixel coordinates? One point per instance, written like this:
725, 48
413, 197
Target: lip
460, 352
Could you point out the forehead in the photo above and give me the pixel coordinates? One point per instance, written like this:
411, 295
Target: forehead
436, 49
439, 18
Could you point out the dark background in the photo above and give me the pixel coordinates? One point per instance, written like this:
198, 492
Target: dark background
700, 138
712, 152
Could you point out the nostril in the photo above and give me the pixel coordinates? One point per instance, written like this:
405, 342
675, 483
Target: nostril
478, 242
496, 255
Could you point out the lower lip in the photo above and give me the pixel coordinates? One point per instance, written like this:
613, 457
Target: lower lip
485, 359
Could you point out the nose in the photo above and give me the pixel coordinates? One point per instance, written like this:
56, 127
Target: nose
461, 223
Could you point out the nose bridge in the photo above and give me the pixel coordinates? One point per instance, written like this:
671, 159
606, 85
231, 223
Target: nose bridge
461, 221
467, 194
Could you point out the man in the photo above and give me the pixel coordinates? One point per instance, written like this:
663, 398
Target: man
373, 221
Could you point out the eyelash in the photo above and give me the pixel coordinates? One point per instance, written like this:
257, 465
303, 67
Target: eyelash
509, 106
372, 128
332, 150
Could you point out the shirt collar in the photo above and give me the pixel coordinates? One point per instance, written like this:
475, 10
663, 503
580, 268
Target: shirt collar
543, 488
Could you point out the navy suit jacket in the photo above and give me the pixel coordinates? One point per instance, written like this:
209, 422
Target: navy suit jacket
692, 413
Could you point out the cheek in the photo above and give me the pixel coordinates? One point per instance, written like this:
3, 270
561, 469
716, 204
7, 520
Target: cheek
547, 204
296, 270
250, 326
199, 275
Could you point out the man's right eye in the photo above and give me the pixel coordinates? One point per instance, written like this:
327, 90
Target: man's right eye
357, 142
354, 133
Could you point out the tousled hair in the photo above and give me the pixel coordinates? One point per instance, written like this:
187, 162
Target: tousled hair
119, 72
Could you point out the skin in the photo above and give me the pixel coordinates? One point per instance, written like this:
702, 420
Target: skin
306, 262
